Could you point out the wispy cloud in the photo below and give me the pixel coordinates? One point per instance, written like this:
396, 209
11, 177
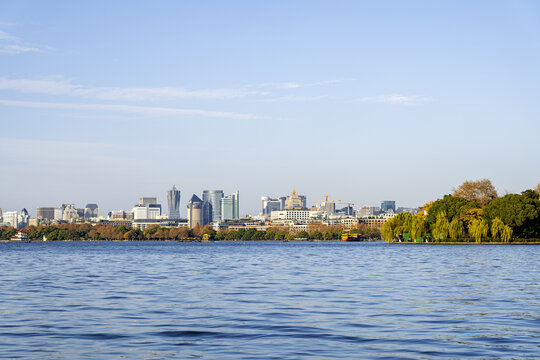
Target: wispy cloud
57, 86
296, 85
143, 110
295, 98
12, 45
397, 99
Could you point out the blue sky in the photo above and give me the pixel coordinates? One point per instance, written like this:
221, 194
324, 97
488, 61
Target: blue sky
364, 100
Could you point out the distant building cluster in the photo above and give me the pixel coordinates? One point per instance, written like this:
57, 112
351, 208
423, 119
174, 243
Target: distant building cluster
214, 208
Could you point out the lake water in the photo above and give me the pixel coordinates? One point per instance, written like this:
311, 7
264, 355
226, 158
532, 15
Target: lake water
268, 300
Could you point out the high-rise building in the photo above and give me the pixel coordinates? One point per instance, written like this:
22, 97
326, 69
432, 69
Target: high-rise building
173, 200
144, 201
23, 219
269, 205
194, 207
58, 213
0, 213
230, 206
304, 200
212, 205
70, 213
91, 211
388, 205
44, 212
294, 201
11, 218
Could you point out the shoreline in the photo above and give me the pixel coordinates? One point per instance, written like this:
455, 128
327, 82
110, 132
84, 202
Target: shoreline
465, 243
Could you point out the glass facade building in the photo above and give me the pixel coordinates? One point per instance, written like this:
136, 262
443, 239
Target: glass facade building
173, 200
212, 205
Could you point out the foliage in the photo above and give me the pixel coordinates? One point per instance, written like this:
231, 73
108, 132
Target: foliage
520, 212
441, 228
497, 228
481, 192
6, 232
396, 227
507, 234
451, 206
479, 230
456, 229
418, 227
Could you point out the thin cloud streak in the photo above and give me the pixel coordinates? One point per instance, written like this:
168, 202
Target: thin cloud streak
12, 45
295, 98
144, 110
296, 85
397, 99
63, 87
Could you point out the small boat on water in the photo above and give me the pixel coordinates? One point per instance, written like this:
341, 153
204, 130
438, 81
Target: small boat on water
44, 238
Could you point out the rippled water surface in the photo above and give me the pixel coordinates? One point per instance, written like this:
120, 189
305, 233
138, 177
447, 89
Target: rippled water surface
268, 300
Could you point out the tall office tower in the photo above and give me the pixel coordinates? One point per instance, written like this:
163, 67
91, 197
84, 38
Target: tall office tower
44, 212
388, 205
173, 200
145, 201
230, 207
212, 205
11, 218
236, 208
58, 213
91, 211
194, 207
282, 201
23, 219
304, 201
269, 205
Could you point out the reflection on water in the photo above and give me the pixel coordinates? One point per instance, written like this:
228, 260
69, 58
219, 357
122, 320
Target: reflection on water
255, 300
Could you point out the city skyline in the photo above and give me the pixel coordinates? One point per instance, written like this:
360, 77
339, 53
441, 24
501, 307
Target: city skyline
365, 101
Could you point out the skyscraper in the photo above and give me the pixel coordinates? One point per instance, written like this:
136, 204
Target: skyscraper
212, 205
230, 206
44, 212
194, 207
294, 202
91, 211
269, 205
173, 199
388, 205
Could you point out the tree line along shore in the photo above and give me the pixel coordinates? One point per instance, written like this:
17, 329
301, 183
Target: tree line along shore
473, 213
315, 231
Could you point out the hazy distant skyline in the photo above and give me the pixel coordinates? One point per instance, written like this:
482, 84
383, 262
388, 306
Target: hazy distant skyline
106, 102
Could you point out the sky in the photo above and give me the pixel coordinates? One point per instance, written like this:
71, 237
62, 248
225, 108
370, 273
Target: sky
104, 102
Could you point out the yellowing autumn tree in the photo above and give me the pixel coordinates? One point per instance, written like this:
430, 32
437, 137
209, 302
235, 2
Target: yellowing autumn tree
481, 192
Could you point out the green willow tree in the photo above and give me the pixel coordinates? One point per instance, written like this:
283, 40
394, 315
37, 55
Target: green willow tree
479, 230
418, 228
497, 228
456, 229
440, 230
507, 233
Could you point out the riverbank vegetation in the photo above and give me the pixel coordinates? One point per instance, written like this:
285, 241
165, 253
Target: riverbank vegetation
315, 231
472, 213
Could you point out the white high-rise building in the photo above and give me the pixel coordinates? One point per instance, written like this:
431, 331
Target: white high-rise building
11, 218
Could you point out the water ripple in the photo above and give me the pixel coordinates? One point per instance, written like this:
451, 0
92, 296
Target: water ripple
267, 300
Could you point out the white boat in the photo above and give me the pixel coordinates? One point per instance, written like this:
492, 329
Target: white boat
20, 236
44, 238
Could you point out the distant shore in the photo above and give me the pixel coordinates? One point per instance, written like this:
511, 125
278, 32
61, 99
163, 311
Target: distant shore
532, 242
